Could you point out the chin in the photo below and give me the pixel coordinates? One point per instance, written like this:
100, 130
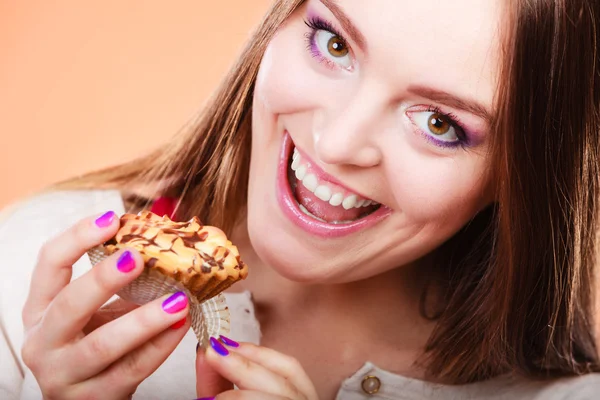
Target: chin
286, 253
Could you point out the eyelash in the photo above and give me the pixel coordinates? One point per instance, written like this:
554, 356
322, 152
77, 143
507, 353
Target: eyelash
317, 24
463, 139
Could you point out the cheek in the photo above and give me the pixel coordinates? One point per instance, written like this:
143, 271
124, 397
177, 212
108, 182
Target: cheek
282, 84
438, 191
290, 80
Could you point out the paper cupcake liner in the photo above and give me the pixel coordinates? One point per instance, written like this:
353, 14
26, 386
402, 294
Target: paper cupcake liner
208, 317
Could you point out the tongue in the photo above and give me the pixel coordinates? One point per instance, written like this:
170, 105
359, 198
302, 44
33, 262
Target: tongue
323, 209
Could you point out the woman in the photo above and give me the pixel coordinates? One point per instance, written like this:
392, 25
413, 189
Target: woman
414, 186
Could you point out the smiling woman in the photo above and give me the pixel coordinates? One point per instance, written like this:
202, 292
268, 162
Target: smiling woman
414, 186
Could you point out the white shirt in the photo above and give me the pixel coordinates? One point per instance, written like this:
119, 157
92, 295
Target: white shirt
25, 227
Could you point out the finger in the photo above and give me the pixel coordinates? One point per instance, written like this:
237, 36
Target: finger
281, 364
109, 312
116, 339
53, 270
248, 375
249, 395
122, 378
208, 381
85, 295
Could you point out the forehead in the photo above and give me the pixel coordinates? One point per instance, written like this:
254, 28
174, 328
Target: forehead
451, 44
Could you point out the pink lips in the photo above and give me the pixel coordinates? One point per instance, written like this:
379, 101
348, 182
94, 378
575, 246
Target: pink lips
290, 207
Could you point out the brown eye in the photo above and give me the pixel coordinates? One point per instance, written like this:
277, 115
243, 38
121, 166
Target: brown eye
337, 47
332, 49
440, 129
438, 124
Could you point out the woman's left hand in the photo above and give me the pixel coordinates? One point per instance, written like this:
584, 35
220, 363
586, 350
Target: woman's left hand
258, 372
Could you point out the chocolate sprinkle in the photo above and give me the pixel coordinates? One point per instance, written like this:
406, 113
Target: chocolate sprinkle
145, 229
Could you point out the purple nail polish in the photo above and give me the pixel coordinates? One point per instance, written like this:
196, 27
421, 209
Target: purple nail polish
218, 347
105, 219
207, 398
126, 262
175, 303
229, 342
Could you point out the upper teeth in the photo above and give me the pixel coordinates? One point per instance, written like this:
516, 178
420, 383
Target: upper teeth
323, 190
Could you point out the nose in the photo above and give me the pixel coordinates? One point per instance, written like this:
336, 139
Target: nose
348, 134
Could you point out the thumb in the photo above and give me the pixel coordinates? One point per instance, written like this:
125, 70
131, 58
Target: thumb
208, 381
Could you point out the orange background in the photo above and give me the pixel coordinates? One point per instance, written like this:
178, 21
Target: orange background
90, 84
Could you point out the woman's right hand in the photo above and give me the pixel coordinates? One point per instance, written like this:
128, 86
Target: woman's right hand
69, 361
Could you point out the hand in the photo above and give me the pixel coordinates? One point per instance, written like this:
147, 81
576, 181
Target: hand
73, 350
259, 373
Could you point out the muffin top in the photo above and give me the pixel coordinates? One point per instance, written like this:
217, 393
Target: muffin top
179, 249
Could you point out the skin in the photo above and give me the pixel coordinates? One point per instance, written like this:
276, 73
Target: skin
92, 363
356, 126
359, 126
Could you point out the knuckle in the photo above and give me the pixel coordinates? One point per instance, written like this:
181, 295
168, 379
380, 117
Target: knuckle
80, 231
246, 372
29, 355
292, 364
102, 277
46, 253
296, 393
120, 383
54, 389
50, 382
51, 388
97, 348
133, 366
145, 317
246, 364
292, 390
64, 304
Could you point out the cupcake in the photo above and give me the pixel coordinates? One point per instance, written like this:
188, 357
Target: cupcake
180, 256
198, 257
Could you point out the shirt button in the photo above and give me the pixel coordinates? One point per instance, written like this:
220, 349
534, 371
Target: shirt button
370, 384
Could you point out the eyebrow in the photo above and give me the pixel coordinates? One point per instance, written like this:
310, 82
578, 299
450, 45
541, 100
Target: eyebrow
449, 100
438, 96
346, 23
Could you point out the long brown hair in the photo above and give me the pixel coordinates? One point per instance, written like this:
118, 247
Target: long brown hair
520, 275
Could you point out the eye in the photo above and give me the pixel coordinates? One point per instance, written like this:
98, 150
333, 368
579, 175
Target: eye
327, 45
438, 126
333, 48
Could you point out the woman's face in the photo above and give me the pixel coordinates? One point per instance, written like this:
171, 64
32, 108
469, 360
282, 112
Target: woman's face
370, 134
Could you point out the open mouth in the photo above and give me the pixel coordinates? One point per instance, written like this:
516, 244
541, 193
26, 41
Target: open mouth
317, 202
319, 197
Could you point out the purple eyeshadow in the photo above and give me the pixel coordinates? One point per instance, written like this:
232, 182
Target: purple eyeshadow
442, 143
316, 23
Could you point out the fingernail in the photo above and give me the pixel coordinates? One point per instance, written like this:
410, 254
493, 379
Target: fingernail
218, 347
126, 262
207, 398
175, 303
229, 342
105, 219
179, 324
